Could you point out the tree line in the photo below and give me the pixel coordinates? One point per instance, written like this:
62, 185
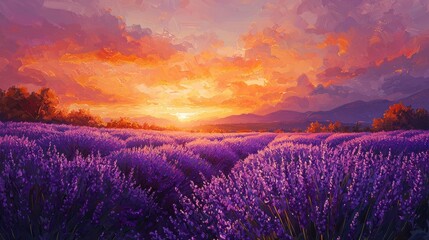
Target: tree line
396, 117
18, 104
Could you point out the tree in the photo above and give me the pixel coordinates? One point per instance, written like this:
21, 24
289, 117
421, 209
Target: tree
15, 104
334, 127
398, 116
43, 104
123, 122
60, 116
421, 119
2, 105
82, 117
315, 127
48, 104
357, 127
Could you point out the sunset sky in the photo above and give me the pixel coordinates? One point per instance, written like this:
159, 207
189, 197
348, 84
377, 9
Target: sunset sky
198, 59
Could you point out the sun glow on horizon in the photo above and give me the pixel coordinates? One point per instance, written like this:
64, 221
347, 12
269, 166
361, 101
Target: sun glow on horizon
184, 116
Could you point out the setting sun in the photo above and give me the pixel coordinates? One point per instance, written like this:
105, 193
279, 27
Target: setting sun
184, 116
214, 119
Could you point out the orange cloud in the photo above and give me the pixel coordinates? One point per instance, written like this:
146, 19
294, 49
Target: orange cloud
341, 42
213, 58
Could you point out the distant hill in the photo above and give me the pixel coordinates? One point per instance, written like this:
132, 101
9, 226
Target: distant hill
154, 120
417, 100
358, 111
236, 119
285, 116
353, 112
348, 114
278, 116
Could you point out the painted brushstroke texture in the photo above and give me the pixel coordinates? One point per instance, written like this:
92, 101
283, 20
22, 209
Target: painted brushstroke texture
215, 58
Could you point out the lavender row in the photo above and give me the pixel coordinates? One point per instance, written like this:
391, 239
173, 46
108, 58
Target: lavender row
296, 191
60, 181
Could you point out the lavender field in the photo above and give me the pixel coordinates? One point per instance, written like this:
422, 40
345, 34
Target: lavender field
65, 182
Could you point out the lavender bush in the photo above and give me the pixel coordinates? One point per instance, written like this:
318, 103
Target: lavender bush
50, 197
244, 146
31, 133
151, 171
323, 194
339, 138
215, 152
83, 141
394, 143
301, 138
122, 134
191, 165
67, 182
12, 147
148, 140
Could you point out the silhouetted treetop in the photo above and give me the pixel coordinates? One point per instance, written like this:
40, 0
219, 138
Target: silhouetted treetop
399, 116
18, 104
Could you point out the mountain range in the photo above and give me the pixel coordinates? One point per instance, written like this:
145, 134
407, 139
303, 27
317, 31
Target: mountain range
358, 111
